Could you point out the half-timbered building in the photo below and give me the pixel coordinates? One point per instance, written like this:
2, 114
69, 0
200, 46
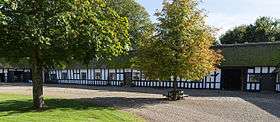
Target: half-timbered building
247, 67
250, 66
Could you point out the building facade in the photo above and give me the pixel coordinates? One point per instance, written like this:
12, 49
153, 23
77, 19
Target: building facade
13, 75
250, 67
120, 77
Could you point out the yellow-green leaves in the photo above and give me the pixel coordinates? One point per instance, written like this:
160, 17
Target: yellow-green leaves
182, 44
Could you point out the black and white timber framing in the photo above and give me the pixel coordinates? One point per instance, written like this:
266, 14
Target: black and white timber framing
257, 75
15, 75
119, 77
252, 81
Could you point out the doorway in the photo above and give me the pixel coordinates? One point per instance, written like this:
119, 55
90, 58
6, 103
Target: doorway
268, 82
2, 77
232, 79
15, 76
127, 78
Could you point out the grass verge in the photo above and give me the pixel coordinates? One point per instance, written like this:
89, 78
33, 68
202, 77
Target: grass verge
18, 108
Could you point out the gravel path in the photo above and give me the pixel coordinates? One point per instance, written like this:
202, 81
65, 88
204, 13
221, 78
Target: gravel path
201, 105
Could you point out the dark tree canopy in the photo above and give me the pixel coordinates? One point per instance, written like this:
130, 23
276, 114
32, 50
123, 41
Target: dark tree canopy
61, 30
140, 29
53, 32
140, 26
265, 29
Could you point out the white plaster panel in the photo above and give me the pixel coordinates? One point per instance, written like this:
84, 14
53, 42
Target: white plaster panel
253, 86
212, 85
127, 70
265, 70
27, 70
218, 85
277, 87
218, 78
271, 69
207, 85
250, 70
257, 69
112, 70
83, 70
72, 74
257, 86
248, 86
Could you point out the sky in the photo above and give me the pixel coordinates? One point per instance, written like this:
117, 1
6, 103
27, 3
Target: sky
226, 14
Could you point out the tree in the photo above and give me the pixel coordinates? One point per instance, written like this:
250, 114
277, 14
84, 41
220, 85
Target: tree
181, 47
237, 35
54, 32
140, 29
140, 26
265, 29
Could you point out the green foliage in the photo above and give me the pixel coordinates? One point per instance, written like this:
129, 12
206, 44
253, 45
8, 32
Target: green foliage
61, 31
57, 32
140, 26
182, 44
20, 63
16, 108
265, 29
140, 29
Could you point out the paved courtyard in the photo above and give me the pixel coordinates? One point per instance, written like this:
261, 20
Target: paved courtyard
201, 105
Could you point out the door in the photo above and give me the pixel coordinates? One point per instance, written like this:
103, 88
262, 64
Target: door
18, 76
268, 82
27, 76
15, 76
232, 79
10, 76
127, 78
2, 77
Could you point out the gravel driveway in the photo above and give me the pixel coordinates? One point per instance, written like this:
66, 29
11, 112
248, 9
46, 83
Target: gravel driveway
201, 105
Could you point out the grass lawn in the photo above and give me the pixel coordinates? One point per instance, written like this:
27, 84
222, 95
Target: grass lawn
18, 108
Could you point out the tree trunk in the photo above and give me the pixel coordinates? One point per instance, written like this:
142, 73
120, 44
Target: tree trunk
37, 81
174, 97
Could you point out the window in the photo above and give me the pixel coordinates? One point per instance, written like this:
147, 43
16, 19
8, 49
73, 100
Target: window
84, 75
262, 77
76, 75
250, 70
120, 76
64, 75
254, 78
136, 76
53, 77
97, 76
143, 77
112, 76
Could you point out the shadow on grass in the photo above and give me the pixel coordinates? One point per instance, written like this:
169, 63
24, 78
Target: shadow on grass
269, 102
10, 107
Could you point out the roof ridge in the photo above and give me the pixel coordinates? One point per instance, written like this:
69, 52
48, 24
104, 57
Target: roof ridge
249, 44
